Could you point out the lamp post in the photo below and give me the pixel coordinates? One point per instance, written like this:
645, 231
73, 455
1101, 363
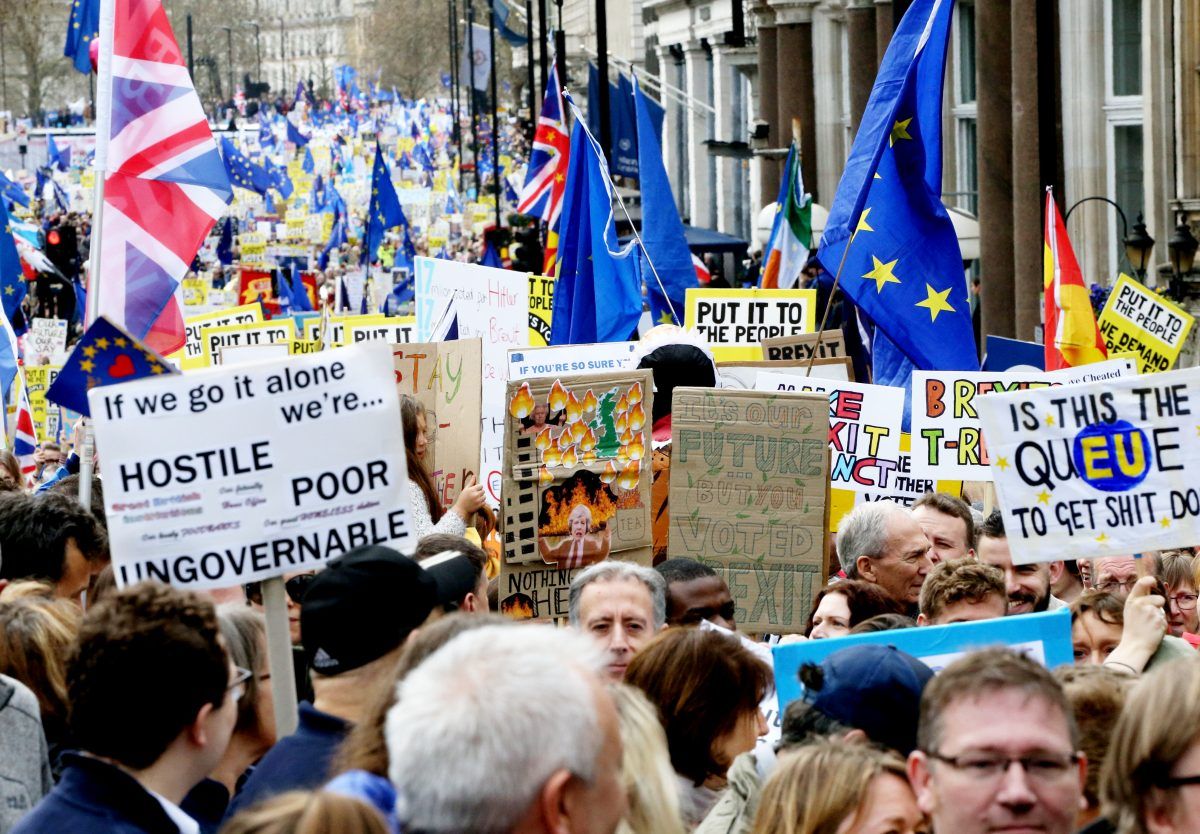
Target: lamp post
1138, 245
1182, 246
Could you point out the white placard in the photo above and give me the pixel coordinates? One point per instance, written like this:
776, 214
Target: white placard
47, 339
228, 475
563, 360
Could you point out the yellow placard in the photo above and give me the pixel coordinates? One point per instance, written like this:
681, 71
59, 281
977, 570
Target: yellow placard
396, 330
195, 292
243, 335
734, 322
37, 379
337, 326
192, 354
1138, 320
541, 305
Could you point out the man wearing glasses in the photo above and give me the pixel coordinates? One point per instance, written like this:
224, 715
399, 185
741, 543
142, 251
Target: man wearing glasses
997, 749
153, 702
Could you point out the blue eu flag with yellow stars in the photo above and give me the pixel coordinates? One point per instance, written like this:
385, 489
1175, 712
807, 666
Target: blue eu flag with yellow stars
242, 172
106, 355
384, 211
902, 266
82, 28
13, 287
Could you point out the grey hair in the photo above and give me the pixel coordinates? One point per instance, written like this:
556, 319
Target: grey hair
245, 633
479, 727
612, 570
864, 532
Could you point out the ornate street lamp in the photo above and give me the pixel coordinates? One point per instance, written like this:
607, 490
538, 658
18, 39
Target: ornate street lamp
1138, 245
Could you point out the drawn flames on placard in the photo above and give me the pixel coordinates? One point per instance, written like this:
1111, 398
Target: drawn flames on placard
517, 606
556, 512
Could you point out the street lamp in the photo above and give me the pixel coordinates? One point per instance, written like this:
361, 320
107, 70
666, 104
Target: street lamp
1138, 245
1182, 246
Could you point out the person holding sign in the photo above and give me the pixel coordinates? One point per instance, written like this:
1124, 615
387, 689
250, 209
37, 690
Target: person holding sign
427, 515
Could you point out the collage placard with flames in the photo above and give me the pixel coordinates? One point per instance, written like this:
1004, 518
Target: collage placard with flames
577, 483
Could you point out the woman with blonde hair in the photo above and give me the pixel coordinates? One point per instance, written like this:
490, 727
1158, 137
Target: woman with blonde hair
646, 771
301, 812
830, 786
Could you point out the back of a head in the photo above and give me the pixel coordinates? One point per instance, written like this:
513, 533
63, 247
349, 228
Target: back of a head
983, 673
702, 682
884, 622
245, 633
1097, 695
683, 569
147, 659
69, 486
36, 633
960, 580
864, 532
303, 812
482, 724
1159, 724
817, 786
646, 772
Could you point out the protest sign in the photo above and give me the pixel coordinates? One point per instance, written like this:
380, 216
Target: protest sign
1101, 468
243, 354
1001, 354
228, 475
1139, 320
46, 341
576, 483
832, 345
195, 292
565, 360
749, 488
744, 375
192, 355
45, 416
216, 339
485, 303
541, 306
444, 377
864, 429
734, 322
396, 330
1045, 638
948, 441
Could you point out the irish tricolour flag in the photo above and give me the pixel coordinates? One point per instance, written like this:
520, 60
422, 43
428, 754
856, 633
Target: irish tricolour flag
791, 234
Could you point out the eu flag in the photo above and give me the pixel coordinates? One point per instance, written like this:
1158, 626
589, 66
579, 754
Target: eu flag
384, 211
13, 287
242, 172
337, 238
309, 165
902, 266
663, 238
598, 295
295, 136
280, 181
82, 28
12, 193
105, 355
57, 157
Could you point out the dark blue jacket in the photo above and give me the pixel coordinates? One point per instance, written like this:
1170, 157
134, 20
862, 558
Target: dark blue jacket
94, 797
298, 762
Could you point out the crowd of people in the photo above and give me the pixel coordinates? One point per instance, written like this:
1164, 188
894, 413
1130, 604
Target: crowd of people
150, 708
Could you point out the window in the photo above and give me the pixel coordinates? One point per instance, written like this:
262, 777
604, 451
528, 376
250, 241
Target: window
1127, 169
1125, 25
1124, 114
965, 12
966, 179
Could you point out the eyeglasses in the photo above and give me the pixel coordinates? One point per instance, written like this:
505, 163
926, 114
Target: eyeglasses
1185, 602
1117, 586
237, 687
295, 587
1179, 781
1045, 768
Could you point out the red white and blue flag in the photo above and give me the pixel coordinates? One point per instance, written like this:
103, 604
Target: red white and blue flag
24, 437
546, 177
164, 182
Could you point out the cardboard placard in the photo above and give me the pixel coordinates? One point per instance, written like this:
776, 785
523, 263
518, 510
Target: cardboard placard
576, 483
947, 438
1044, 637
564, 360
744, 375
865, 424
444, 376
489, 304
734, 322
1139, 320
749, 495
1096, 469
229, 475
46, 340
832, 345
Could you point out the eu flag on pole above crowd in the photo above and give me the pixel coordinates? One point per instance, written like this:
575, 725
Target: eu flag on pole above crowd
242, 172
279, 178
902, 265
295, 136
82, 28
105, 355
384, 211
13, 287
598, 295
667, 262
12, 193
56, 157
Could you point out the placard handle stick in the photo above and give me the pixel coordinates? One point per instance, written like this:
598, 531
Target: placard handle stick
837, 277
279, 656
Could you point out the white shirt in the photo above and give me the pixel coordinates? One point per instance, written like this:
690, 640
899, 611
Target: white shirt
183, 822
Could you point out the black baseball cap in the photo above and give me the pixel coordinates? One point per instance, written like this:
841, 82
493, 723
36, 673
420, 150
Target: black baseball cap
455, 575
363, 605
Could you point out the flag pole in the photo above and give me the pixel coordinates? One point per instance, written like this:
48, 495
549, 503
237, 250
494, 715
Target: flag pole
108, 16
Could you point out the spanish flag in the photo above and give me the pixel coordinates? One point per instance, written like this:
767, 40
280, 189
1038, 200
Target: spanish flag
1072, 338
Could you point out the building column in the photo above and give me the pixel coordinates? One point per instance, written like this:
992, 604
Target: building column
700, 190
797, 94
830, 156
993, 48
860, 33
768, 109
885, 25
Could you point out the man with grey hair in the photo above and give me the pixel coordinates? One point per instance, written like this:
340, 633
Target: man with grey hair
621, 606
880, 542
507, 730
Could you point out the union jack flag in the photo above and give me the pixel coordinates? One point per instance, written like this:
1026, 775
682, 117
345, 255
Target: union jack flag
24, 436
546, 178
165, 184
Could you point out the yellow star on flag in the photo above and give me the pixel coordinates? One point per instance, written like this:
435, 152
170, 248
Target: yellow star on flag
1002, 464
882, 273
89, 352
863, 225
156, 368
120, 341
1043, 497
9, 290
899, 131
936, 302
665, 318
87, 366
102, 343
